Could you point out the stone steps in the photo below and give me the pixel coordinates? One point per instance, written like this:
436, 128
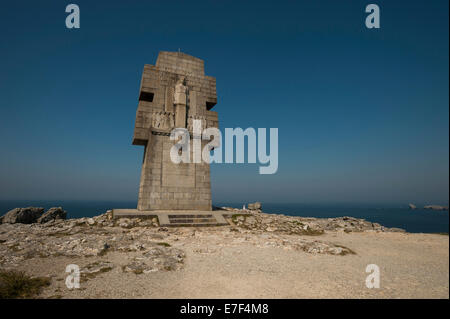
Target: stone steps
192, 220
169, 218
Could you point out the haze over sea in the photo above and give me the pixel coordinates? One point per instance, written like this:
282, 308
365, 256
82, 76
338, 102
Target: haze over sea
414, 221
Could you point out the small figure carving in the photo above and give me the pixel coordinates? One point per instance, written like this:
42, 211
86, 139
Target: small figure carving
171, 120
163, 120
156, 120
191, 119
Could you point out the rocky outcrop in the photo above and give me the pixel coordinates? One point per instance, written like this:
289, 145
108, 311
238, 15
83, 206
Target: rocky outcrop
52, 214
30, 215
275, 223
96, 268
27, 215
158, 258
81, 237
141, 246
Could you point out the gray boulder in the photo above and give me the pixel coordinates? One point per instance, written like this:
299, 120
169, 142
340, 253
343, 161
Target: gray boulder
27, 215
254, 206
52, 214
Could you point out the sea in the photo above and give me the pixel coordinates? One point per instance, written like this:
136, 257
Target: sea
413, 221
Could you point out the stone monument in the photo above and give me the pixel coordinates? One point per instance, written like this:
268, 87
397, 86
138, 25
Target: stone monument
174, 92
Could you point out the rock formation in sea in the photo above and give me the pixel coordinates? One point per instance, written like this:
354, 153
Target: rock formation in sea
436, 207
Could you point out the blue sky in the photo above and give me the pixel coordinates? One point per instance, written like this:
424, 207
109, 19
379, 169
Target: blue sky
362, 114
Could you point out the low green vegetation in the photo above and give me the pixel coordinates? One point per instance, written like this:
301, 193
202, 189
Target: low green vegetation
16, 285
59, 234
164, 244
312, 232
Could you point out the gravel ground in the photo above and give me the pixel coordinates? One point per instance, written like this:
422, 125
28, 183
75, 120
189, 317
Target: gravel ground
222, 264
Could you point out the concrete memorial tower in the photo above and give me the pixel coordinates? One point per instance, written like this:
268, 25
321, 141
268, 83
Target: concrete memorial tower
173, 94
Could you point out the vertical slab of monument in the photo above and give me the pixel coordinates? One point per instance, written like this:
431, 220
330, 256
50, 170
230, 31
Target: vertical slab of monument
174, 92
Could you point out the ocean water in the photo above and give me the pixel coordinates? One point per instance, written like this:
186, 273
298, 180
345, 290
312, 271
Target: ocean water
414, 221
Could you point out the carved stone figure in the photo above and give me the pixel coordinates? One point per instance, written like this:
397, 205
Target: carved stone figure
180, 92
163, 120
180, 103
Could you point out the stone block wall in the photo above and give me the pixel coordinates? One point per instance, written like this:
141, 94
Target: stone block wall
165, 185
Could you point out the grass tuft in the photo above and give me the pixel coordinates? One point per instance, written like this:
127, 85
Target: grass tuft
17, 285
163, 244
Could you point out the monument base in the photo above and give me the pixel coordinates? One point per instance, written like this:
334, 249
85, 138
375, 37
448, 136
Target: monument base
176, 218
